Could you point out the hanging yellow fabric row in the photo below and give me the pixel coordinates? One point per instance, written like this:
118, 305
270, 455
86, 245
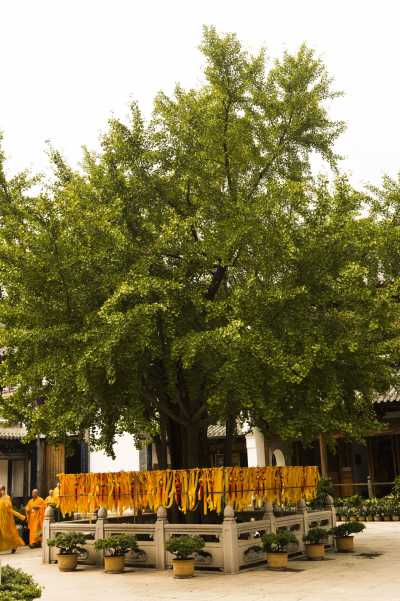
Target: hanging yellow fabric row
207, 488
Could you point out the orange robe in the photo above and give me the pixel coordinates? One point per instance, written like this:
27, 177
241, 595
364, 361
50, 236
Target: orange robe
35, 511
56, 496
9, 538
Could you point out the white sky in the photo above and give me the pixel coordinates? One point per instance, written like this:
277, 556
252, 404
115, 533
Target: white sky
67, 65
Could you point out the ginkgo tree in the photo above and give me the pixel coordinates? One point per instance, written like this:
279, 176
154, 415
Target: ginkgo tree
193, 271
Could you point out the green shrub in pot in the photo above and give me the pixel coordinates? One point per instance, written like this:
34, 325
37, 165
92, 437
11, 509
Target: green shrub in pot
316, 536
69, 547
114, 548
344, 535
68, 543
278, 542
183, 547
315, 542
116, 545
276, 546
396, 488
347, 529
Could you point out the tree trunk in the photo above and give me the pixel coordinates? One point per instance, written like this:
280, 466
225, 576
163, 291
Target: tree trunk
174, 434
229, 437
192, 446
188, 445
161, 450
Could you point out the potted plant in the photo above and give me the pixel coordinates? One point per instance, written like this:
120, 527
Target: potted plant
396, 512
69, 547
344, 535
378, 512
315, 539
17, 585
115, 547
276, 546
351, 514
387, 512
183, 548
370, 509
339, 513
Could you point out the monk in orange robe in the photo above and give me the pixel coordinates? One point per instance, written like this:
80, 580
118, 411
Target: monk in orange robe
50, 500
9, 538
35, 512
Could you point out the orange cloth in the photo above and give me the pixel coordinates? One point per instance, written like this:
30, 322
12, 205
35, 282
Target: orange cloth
56, 496
9, 538
35, 511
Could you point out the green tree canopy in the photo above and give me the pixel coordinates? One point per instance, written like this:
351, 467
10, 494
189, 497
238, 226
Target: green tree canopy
193, 270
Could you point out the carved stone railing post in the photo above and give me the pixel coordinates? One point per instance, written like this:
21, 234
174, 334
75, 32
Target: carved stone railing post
330, 506
230, 541
49, 517
100, 532
159, 538
302, 508
269, 517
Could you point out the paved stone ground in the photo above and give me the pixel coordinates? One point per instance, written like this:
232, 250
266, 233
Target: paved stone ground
371, 573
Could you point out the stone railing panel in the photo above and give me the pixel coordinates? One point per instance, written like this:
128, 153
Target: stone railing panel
85, 528
229, 546
211, 556
146, 554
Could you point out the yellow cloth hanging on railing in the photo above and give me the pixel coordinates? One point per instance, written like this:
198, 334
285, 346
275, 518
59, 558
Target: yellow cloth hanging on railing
207, 488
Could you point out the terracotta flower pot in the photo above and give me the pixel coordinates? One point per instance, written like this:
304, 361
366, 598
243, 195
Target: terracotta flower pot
277, 561
114, 565
345, 544
67, 563
377, 518
395, 518
183, 568
315, 551
387, 518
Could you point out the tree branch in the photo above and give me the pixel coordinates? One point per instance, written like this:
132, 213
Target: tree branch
217, 279
227, 162
264, 171
196, 416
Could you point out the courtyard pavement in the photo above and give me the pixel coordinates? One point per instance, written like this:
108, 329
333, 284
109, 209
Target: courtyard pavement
372, 573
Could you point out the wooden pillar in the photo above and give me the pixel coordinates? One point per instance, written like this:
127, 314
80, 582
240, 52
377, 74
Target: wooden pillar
26, 477
40, 464
397, 446
393, 445
323, 456
371, 466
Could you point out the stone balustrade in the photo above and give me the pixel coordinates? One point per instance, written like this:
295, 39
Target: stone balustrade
229, 546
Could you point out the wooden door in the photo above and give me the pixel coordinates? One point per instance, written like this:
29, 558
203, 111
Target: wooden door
54, 464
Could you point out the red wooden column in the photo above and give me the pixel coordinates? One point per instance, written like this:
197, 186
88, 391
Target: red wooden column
323, 456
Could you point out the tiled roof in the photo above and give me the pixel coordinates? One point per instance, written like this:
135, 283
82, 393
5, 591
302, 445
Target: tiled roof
219, 431
391, 396
12, 432
216, 431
